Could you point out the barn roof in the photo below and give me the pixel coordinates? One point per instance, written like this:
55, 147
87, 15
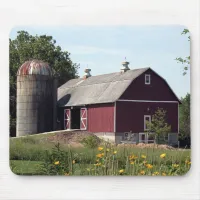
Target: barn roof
104, 88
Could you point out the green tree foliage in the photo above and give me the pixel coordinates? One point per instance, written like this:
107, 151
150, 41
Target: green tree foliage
27, 47
158, 125
184, 61
184, 117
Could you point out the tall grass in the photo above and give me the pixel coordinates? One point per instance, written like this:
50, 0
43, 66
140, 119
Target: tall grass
110, 160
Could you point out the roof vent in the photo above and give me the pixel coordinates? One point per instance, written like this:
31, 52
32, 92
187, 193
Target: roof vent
125, 67
87, 73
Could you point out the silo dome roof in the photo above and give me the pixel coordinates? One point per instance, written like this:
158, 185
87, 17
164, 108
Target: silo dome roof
35, 67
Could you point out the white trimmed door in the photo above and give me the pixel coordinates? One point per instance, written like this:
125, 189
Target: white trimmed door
83, 124
67, 119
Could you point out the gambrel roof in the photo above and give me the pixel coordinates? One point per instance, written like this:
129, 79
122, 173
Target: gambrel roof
106, 88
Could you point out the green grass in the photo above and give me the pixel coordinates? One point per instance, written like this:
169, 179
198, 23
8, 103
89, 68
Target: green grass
27, 153
25, 167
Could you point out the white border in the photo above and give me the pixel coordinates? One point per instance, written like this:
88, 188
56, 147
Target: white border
102, 12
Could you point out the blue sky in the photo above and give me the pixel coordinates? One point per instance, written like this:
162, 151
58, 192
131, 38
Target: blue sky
103, 48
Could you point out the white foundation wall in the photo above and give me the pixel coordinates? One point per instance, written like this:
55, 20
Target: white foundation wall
109, 137
117, 138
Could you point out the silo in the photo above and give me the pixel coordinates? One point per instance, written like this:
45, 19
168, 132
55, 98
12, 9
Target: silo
36, 92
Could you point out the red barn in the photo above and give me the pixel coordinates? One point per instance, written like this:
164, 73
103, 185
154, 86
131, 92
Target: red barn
110, 105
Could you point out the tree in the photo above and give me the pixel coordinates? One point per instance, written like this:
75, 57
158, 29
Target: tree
26, 47
158, 125
184, 117
184, 61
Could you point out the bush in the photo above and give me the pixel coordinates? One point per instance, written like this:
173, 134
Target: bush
90, 142
56, 162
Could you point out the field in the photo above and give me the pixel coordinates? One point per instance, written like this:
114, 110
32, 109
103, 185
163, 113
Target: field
42, 155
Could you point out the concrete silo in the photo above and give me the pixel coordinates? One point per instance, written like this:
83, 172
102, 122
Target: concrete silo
36, 98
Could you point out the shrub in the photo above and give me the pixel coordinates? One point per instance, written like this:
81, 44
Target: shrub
56, 162
90, 141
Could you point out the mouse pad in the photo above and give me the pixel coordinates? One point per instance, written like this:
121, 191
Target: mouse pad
100, 100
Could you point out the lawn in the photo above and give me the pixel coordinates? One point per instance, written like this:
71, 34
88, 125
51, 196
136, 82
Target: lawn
25, 167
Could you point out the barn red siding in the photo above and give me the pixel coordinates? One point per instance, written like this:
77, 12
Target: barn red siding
157, 90
130, 115
101, 118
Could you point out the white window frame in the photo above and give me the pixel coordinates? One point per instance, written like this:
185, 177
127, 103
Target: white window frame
125, 137
145, 138
145, 129
147, 75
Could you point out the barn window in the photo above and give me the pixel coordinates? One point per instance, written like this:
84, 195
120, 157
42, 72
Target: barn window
147, 119
147, 79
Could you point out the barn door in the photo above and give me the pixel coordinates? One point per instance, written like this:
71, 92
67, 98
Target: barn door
67, 119
83, 118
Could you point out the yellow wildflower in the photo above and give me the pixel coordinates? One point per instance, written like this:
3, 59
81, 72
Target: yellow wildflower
143, 156
175, 165
57, 163
132, 157
144, 162
164, 174
142, 172
149, 166
97, 164
121, 171
88, 169
102, 154
188, 162
99, 155
107, 149
132, 163
73, 161
114, 152
163, 155
100, 148
155, 173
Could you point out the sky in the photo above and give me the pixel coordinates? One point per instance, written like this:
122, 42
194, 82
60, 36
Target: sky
104, 48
